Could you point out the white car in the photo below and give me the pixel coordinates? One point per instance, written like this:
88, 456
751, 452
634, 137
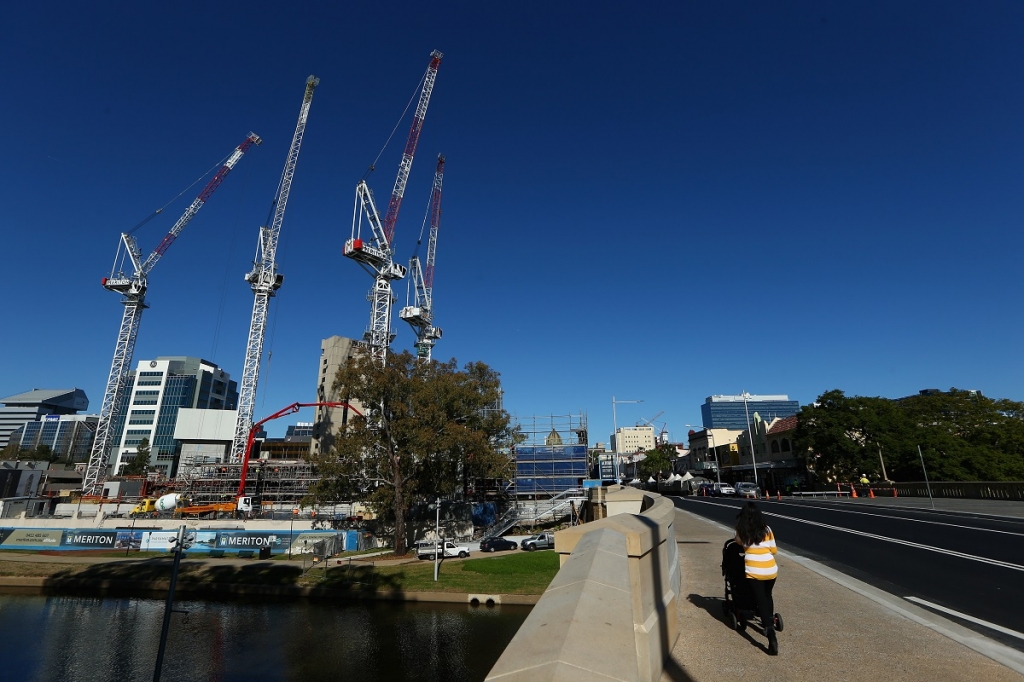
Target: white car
427, 550
722, 489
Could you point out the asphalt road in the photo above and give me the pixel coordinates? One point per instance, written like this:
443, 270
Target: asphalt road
968, 563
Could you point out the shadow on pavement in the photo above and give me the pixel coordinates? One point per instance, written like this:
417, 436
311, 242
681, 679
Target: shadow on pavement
713, 606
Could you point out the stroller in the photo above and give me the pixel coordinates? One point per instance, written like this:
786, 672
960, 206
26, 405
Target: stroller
739, 605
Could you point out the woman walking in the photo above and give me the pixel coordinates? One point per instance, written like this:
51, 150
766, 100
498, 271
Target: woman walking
761, 570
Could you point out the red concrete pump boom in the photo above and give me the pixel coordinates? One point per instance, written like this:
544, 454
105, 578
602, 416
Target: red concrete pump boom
291, 409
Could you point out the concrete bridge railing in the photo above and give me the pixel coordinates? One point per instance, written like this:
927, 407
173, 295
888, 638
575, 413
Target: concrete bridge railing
611, 609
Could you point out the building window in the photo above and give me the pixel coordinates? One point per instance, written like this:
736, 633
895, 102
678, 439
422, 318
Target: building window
785, 445
775, 447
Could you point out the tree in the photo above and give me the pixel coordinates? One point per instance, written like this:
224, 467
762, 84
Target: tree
140, 465
657, 460
427, 429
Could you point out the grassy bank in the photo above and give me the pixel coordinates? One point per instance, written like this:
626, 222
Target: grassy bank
527, 573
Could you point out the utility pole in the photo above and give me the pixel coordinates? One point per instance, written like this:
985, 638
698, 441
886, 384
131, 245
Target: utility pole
750, 434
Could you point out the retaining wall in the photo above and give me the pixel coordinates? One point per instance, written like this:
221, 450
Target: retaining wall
610, 612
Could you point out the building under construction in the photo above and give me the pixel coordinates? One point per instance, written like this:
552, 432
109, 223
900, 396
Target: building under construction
276, 483
552, 457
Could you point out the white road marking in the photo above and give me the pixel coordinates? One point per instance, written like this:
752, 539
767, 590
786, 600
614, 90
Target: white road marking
883, 538
900, 518
964, 616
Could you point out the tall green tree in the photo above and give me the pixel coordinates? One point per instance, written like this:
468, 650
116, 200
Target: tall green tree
657, 460
140, 465
427, 429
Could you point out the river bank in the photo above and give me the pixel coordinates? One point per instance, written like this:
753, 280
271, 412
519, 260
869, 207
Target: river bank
515, 578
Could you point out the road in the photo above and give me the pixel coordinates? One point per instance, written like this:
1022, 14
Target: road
963, 566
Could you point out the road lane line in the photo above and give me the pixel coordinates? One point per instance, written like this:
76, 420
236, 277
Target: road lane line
964, 616
883, 538
898, 518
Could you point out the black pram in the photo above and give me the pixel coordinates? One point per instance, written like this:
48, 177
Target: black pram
739, 605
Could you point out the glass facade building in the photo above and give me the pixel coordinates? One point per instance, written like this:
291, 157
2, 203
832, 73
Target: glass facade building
69, 437
730, 411
149, 407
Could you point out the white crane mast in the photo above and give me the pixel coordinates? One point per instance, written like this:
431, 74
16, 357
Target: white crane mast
133, 289
419, 312
376, 256
265, 281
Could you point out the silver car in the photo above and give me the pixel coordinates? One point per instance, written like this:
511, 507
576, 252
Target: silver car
747, 489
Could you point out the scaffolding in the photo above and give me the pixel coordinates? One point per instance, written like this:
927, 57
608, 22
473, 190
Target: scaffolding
276, 483
552, 456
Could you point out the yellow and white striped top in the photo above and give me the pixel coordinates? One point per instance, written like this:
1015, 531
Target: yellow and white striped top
759, 559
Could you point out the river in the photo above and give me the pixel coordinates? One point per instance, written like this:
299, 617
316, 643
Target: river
72, 639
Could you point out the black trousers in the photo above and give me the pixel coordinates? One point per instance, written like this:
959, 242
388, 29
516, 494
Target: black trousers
762, 591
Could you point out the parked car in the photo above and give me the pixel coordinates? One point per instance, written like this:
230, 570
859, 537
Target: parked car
497, 545
719, 489
539, 541
748, 489
427, 549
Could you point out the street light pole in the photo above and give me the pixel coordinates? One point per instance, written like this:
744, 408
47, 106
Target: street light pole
750, 434
615, 432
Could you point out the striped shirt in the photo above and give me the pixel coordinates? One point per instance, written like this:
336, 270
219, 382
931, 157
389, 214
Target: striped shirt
759, 559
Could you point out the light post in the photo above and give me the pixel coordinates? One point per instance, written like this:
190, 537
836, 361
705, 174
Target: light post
615, 432
438, 545
718, 468
750, 434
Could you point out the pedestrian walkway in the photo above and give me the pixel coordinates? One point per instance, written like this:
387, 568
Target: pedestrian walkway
833, 630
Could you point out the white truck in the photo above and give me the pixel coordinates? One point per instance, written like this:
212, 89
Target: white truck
428, 548
539, 541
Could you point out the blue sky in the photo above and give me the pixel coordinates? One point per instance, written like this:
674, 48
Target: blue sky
656, 201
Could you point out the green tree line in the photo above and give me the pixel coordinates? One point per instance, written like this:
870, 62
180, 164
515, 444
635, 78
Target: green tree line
963, 435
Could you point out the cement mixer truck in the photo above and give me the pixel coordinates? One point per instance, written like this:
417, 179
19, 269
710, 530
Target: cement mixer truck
178, 505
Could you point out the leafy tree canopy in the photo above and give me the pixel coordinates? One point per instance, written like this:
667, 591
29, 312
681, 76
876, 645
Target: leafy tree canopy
426, 431
657, 460
963, 435
140, 465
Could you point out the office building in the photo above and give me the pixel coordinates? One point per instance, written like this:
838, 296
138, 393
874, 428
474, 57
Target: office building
631, 439
334, 353
68, 436
730, 411
157, 390
205, 437
300, 430
29, 407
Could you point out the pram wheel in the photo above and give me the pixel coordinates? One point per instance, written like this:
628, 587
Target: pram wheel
725, 609
777, 622
730, 618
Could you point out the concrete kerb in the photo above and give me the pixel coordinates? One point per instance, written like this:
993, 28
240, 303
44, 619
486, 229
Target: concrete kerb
1000, 653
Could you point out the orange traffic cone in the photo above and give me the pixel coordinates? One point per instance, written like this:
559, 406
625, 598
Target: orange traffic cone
853, 491
871, 493
778, 495
894, 493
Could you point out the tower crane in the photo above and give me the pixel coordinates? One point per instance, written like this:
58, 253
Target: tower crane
265, 281
420, 313
375, 254
133, 289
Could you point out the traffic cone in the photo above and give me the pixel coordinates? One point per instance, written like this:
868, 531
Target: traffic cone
894, 493
871, 493
778, 495
853, 491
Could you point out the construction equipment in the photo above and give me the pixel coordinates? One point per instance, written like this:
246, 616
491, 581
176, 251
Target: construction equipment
265, 280
375, 254
133, 288
251, 438
419, 313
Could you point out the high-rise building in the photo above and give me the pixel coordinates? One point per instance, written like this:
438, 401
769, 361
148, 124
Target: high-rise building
730, 411
629, 439
300, 430
68, 436
29, 407
334, 353
157, 390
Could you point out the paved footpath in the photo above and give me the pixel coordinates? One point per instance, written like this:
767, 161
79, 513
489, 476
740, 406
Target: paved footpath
835, 627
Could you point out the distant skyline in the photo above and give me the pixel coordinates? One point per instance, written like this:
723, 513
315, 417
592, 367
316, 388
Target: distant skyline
657, 202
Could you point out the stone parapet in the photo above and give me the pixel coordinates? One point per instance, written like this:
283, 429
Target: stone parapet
610, 612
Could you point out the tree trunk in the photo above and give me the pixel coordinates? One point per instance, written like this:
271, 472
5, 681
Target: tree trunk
399, 507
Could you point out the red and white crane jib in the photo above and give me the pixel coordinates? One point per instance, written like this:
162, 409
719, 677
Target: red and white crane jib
410, 146
210, 188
